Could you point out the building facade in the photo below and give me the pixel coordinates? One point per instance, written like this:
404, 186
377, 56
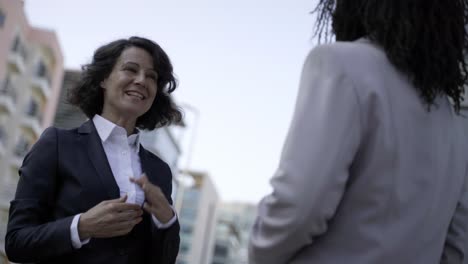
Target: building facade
227, 243
31, 72
197, 217
235, 221
68, 116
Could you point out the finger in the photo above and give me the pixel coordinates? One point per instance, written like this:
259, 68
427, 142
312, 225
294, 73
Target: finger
141, 180
125, 226
120, 207
125, 215
118, 228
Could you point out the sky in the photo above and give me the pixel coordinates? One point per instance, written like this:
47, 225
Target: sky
238, 63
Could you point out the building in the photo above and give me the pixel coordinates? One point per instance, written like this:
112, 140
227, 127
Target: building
163, 144
68, 116
227, 243
197, 218
235, 221
31, 72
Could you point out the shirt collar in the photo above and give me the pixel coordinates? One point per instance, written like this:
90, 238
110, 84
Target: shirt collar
134, 141
106, 128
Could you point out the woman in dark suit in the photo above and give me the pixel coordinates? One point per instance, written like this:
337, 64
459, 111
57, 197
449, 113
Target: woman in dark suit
92, 194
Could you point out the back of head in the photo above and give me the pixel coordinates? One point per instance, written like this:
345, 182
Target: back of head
425, 39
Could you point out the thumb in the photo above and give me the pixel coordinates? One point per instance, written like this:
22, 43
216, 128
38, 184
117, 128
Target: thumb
141, 180
122, 199
144, 178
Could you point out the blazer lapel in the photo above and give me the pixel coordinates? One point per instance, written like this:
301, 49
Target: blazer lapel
99, 159
148, 167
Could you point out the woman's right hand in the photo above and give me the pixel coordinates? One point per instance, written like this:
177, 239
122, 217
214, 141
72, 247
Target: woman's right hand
109, 218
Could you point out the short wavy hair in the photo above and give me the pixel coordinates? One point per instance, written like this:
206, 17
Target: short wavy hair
88, 94
425, 39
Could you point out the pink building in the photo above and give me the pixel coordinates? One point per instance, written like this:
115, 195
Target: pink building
31, 72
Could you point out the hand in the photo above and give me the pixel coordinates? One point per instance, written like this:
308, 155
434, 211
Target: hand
109, 218
156, 203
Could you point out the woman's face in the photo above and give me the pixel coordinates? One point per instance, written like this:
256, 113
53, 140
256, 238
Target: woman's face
131, 87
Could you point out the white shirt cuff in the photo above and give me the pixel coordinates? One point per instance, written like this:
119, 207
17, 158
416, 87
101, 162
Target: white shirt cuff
165, 225
75, 236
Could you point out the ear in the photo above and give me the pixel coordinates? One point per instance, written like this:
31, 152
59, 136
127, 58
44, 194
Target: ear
103, 84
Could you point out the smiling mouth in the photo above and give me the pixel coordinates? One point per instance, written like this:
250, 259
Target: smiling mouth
135, 94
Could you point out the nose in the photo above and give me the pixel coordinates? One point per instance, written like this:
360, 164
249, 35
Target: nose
140, 78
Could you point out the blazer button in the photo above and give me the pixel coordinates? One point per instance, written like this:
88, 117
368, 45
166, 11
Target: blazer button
122, 252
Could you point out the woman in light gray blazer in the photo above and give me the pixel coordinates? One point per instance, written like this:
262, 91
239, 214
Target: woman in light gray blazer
374, 167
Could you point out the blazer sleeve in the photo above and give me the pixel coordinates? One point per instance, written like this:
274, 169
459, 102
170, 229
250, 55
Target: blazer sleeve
32, 233
456, 242
309, 183
166, 241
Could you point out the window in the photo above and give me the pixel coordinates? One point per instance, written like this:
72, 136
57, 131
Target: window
221, 251
184, 248
42, 71
186, 229
16, 44
188, 213
7, 88
18, 47
2, 18
32, 108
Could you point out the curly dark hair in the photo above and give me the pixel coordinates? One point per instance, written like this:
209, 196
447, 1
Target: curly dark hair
425, 39
88, 95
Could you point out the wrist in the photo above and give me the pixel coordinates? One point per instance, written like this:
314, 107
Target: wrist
164, 214
83, 233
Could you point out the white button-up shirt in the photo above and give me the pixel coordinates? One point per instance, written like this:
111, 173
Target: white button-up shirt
122, 154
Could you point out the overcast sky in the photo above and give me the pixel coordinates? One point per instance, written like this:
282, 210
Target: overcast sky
238, 63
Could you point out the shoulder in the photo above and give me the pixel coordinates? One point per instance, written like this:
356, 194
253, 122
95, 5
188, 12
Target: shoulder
347, 56
52, 135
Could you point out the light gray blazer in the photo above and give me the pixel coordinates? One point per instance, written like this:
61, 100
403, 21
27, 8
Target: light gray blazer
367, 174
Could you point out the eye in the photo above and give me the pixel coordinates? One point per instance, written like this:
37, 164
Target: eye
152, 76
130, 69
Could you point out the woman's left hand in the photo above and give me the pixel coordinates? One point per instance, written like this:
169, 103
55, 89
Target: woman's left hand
156, 203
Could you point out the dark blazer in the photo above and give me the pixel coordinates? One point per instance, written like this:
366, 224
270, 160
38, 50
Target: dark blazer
66, 173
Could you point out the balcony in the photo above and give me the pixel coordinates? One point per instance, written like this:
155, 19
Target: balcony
42, 85
7, 104
8, 94
16, 62
32, 124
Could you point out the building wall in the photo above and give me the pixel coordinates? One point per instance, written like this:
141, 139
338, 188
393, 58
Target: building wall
241, 217
31, 70
227, 246
68, 116
197, 218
